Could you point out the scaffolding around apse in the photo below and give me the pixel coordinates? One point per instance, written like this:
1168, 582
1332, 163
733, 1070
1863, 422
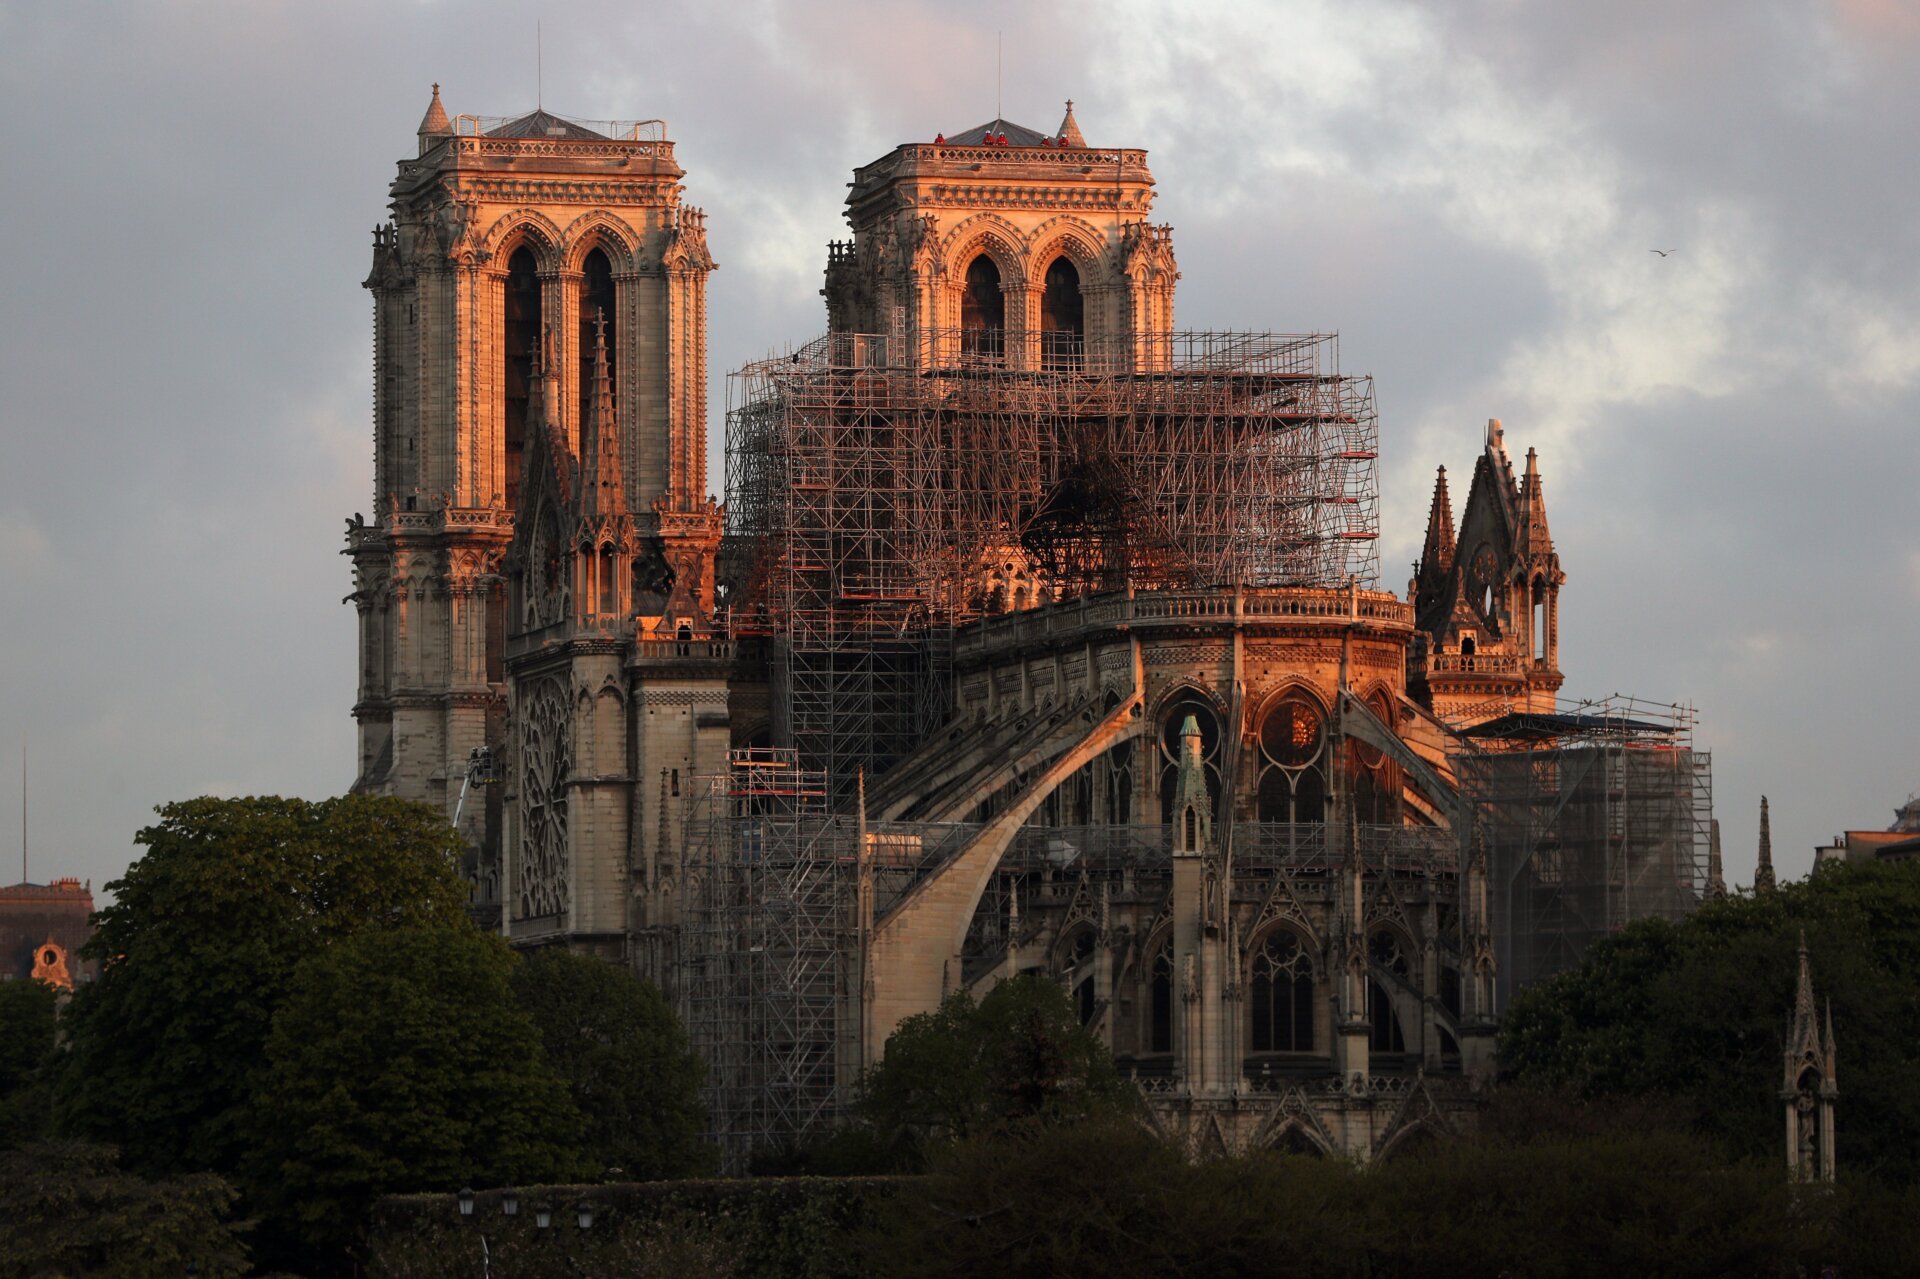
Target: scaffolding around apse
888, 489
1592, 815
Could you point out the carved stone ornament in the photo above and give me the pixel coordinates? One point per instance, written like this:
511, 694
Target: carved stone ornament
546, 758
50, 965
687, 242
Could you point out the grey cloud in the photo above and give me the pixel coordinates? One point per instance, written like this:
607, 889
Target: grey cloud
187, 371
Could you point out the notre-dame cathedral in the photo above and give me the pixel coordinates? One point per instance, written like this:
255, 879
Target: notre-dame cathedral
1034, 635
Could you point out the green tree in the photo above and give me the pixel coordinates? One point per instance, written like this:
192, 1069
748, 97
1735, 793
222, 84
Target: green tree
29, 1017
626, 1062
1697, 1011
200, 944
400, 1060
66, 1209
1103, 1196
1017, 1055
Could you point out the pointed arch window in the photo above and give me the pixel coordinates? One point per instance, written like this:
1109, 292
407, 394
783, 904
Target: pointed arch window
1062, 316
1160, 1001
1386, 954
1280, 995
1082, 971
983, 310
1293, 740
1386, 1036
596, 300
521, 317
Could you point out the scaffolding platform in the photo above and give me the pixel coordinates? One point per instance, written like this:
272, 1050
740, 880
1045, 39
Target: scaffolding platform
1592, 815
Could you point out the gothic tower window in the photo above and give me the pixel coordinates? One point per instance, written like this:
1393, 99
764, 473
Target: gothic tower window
1280, 995
522, 316
1292, 785
596, 300
1062, 325
983, 310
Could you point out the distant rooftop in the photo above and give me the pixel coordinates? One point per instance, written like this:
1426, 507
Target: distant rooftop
989, 134
542, 123
1005, 133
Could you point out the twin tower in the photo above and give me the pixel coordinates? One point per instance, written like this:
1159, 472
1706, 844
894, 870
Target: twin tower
539, 653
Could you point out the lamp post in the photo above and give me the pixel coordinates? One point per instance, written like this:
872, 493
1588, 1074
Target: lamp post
509, 1204
584, 1215
466, 1201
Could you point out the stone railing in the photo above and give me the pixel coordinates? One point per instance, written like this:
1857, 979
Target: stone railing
1475, 664
1062, 157
681, 650
1106, 612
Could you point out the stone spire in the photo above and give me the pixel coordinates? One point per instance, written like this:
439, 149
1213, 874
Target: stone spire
1533, 536
604, 489
1763, 880
1716, 869
546, 443
1808, 1086
1437, 555
1191, 835
435, 124
1069, 133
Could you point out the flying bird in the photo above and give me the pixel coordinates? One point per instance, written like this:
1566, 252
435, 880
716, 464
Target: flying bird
1663, 252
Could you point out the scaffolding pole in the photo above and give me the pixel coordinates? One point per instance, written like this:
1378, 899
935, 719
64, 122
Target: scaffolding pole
767, 962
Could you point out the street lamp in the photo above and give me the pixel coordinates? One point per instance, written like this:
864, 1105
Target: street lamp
509, 1204
585, 1212
466, 1201
542, 1217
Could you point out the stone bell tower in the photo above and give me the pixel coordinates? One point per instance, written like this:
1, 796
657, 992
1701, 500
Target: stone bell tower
540, 493
1005, 245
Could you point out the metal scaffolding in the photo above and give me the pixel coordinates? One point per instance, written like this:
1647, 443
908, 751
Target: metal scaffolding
767, 958
895, 489
1593, 815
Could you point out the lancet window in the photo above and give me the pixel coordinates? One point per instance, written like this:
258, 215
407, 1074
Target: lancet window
1062, 316
1386, 955
596, 301
521, 316
1160, 1000
1280, 995
983, 310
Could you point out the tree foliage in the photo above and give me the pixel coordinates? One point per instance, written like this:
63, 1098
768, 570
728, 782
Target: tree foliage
66, 1209
1697, 1011
1107, 1197
400, 1060
29, 1017
199, 947
1019, 1055
626, 1062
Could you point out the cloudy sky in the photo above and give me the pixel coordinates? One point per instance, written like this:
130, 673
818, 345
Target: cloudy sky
1467, 192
